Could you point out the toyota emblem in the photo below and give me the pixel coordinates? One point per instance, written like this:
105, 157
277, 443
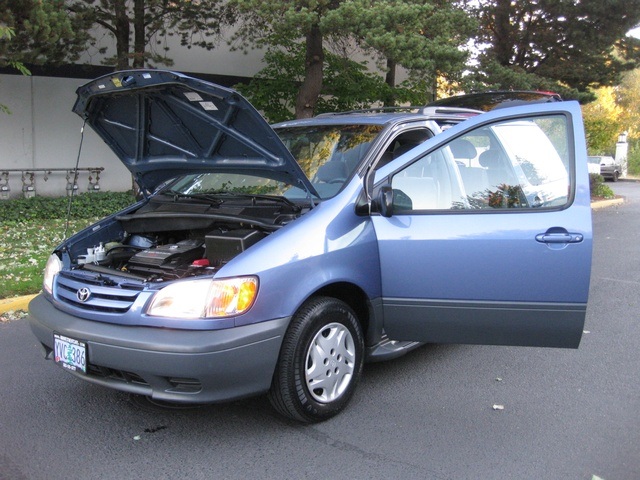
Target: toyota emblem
83, 294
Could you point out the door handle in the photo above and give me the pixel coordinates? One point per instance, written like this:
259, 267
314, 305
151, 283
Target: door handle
559, 237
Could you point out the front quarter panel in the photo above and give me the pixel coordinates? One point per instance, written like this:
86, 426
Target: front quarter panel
330, 244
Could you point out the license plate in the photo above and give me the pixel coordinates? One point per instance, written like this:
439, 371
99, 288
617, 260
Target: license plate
70, 353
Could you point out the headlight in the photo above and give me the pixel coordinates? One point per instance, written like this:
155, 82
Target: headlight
53, 266
205, 298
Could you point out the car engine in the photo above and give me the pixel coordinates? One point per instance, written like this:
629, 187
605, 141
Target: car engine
165, 241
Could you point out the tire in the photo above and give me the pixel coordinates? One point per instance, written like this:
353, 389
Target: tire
616, 175
320, 361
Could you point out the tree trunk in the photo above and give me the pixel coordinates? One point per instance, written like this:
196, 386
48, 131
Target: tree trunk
139, 43
122, 33
502, 32
312, 84
390, 80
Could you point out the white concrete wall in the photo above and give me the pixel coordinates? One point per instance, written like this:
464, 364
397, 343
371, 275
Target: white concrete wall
221, 60
42, 132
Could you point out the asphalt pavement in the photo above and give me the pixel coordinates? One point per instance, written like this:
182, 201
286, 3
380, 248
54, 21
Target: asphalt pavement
567, 414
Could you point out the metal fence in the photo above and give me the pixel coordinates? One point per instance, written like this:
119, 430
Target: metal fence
29, 178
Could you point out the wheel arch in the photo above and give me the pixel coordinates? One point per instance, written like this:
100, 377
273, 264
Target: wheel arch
353, 296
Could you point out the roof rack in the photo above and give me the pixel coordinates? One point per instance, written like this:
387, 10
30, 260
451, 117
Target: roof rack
435, 110
420, 109
410, 108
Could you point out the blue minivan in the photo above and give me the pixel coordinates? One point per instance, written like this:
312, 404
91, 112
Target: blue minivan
278, 259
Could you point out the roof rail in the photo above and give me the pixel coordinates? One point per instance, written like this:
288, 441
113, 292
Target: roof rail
410, 108
424, 110
435, 110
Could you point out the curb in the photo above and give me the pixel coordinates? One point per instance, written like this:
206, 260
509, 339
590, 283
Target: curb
606, 203
17, 303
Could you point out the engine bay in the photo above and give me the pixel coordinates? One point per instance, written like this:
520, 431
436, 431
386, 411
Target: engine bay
164, 241
164, 257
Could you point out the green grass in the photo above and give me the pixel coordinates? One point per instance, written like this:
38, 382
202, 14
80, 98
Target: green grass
24, 249
31, 228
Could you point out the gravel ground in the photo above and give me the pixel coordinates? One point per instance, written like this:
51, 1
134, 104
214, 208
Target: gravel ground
12, 315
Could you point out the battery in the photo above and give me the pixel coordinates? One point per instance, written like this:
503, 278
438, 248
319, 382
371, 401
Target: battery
223, 246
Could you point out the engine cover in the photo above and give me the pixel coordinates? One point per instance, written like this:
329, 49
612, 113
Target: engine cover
166, 257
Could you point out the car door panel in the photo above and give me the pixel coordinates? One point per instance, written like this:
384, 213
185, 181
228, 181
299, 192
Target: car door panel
502, 267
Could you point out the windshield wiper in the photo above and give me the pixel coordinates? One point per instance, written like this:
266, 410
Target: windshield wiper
220, 197
256, 197
211, 198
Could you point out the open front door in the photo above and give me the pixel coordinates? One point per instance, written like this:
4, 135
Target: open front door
490, 237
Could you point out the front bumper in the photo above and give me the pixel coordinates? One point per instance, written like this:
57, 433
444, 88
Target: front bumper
165, 364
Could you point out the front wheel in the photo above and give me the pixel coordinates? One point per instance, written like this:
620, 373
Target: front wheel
320, 361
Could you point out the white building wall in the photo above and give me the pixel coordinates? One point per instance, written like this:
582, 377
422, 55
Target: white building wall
220, 61
43, 133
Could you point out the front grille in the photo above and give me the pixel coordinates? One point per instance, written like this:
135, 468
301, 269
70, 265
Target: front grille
91, 295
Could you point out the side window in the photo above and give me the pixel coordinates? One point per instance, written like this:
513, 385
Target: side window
522, 163
403, 143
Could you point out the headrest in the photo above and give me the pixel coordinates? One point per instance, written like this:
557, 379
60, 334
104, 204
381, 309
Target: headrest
462, 149
491, 159
404, 148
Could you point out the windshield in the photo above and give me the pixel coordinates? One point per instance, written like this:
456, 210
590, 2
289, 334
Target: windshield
329, 154
217, 183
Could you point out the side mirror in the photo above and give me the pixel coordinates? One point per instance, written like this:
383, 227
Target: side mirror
384, 202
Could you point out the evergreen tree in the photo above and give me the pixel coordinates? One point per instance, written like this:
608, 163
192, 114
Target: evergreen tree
39, 31
426, 37
569, 46
423, 35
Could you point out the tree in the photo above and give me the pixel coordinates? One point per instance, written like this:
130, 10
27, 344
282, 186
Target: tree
409, 33
277, 23
424, 36
7, 33
628, 98
346, 85
603, 121
570, 46
39, 31
35, 32
139, 26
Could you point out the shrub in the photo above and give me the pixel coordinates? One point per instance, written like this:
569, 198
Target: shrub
598, 187
84, 205
633, 158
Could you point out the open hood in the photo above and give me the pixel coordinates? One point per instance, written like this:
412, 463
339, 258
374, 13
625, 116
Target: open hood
163, 124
